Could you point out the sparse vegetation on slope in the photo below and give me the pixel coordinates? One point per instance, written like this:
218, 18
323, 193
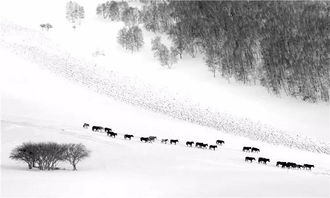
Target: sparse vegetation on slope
45, 156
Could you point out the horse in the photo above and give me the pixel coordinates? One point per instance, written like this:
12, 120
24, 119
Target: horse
282, 164
86, 125
291, 165
152, 138
164, 141
189, 143
199, 144
249, 159
174, 141
128, 136
112, 134
254, 149
246, 148
220, 142
97, 128
204, 146
144, 139
308, 166
107, 129
263, 160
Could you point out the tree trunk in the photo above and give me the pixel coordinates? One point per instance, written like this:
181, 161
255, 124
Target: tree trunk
74, 167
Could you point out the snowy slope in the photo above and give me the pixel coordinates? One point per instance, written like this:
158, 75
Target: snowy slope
51, 84
41, 50
189, 78
33, 111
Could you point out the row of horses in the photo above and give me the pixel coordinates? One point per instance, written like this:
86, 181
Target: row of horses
260, 159
151, 139
202, 145
280, 163
294, 165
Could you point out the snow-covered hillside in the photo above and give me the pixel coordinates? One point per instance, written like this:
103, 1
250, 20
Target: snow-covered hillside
52, 82
43, 107
189, 77
39, 49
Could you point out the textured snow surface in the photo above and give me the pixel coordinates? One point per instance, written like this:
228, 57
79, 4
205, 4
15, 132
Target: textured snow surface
52, 82
119, 168
38, 104
41, 106
35, 47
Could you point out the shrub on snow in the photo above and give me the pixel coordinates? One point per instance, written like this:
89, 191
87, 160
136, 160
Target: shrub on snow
46, 156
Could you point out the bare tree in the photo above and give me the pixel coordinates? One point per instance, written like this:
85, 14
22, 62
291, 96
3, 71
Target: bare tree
75, 153
25, 152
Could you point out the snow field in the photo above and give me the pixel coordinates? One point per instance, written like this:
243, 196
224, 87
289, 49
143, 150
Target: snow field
159, 99
51, 84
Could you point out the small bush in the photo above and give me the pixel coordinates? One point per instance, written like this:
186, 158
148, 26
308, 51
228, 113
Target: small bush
47, 155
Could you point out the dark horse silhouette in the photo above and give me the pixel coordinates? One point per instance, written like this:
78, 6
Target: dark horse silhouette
86, 125
152, 138
199, 144
291, 165
189, 143
220, 142
282, 164
112, 134
263, 160
254, 149
144, 139
128, 136
213, 147
246, 148
309, 166
174, 141
107, 130
249, 159
97, 128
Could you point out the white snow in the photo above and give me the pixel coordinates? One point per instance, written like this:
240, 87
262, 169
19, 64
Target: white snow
33, 111
189, 77
42, 99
